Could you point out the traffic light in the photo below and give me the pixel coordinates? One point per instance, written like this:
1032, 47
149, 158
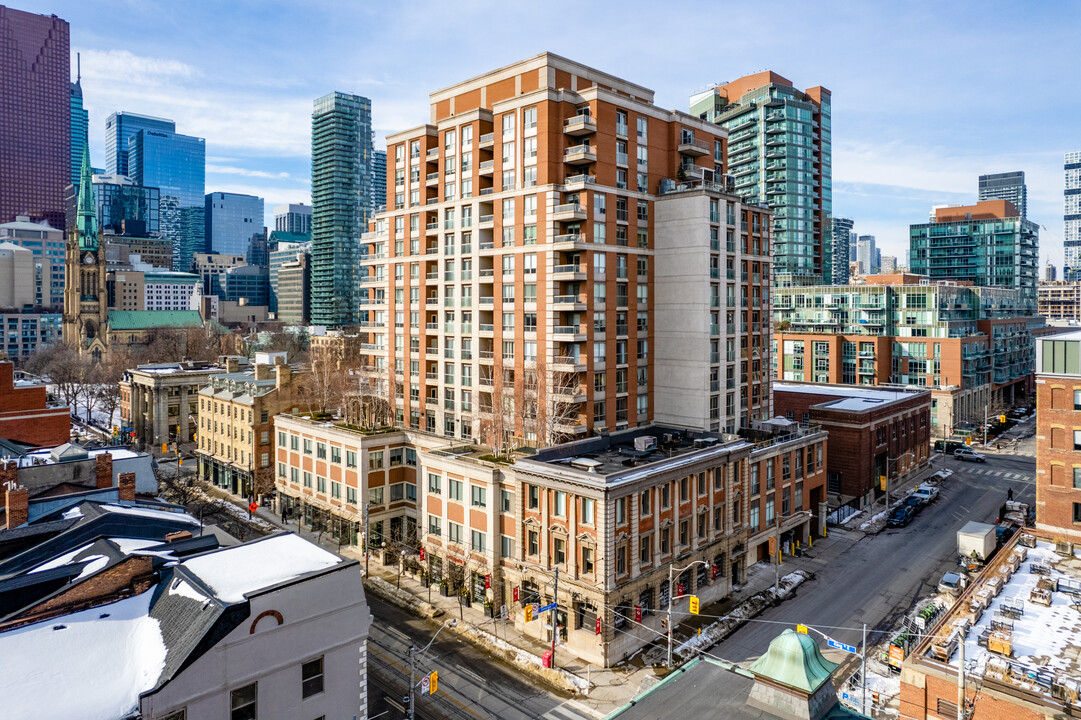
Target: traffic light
1002, 419
433, 684
693, 605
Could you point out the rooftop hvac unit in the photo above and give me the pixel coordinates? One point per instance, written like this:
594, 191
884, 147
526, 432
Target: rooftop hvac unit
645, 443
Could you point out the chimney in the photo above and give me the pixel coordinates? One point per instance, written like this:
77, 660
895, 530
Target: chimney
104, 470
126, 484
232, 364
284, 377
263, 371
17, 507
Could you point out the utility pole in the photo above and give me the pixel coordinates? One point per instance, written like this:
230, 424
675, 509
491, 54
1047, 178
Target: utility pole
555, 614
961, 677
863, 670
670, 601
412, 678
367, 540
985, 425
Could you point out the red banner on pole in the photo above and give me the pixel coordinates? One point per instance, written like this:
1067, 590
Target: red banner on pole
598, 626
715, 571
515, 593
679, 588
422, 555
487, 582
638, 613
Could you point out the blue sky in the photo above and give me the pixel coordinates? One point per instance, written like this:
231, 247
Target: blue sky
926, 95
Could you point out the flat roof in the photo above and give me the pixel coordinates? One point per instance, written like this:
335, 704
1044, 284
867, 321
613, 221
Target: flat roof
1044, 639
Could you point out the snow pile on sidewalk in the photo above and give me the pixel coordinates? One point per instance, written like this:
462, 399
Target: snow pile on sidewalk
725, 626
523, 658
391, 593
879, 680
875, 522
240, 513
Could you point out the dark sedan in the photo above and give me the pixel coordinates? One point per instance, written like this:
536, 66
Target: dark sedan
900, 516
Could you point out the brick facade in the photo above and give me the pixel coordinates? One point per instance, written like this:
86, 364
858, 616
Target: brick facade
1057, 493
26, 415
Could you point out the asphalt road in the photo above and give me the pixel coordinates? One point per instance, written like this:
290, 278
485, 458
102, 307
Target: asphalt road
877, 579
471, 684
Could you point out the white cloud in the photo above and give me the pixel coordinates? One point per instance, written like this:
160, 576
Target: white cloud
109, 65
230, 170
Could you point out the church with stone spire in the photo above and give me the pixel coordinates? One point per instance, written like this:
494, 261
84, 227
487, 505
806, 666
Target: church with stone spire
86, 305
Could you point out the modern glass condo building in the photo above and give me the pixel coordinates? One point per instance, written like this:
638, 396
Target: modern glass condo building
1071, 218
341, 204
841, 233
988, 244
779, 153
176, 165
1005, 186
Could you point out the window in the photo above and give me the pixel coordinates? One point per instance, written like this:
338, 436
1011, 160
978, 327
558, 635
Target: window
307, 446
350, 458
1077, 478
621, 510
397, 492
434, 483
478, 541
529, 118
587, 560
375, 460
506, 498
645, 549
242, 702
321, 451
1077, 512
454, 532
534, 497
455, 490
434, 527
311, 678
531, 538
666, 496
587, 510
375, 495
559, 551
480, 496
560, 503
506, 546
643, 503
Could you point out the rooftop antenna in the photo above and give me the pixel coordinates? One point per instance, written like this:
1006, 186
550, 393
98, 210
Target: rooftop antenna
78, 67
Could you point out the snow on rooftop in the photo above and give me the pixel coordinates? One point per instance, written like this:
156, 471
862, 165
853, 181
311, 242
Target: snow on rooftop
233, 572
91, 665
149, 513
130, 545
1043, 637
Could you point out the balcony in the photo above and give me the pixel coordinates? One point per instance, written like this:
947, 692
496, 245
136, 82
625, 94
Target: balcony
693, 172
568, 302
432, 155
568, 211
568, 238
580, 155
569, 395
431, 179
568, 272
571, 427
486, 141
431, 228
572, 181
487, 167
485, 221
579, 125
690, 146
569, 333
569, 363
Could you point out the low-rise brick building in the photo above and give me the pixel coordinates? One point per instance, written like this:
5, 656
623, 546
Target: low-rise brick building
883, 431
1058, 434
27, 416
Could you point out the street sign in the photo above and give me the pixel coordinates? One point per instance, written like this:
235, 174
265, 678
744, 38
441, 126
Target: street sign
426, 684
546, 608
841, 646
801, 629
897, 655
883, 480
693, 607
253, 507
434, 684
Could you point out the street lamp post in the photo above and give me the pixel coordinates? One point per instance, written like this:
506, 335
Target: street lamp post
413, 665
672, 599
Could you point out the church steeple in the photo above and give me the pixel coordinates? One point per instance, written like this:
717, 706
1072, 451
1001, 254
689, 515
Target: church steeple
87, 215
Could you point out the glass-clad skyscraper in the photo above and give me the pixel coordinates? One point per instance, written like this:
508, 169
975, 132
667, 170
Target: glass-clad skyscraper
119, 128
841, 231
1005, 186
176, 165
232, 221
35, 123
779, 154
341, 204
80, 122
379, 178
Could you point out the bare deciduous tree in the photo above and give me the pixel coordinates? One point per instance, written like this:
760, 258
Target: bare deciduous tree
327, 383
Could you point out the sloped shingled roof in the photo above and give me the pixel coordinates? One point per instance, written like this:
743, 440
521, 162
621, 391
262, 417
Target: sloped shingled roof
146, 319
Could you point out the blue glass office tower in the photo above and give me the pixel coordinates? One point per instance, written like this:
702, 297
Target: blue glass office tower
119, 129
232, 222
341, 204
176, 165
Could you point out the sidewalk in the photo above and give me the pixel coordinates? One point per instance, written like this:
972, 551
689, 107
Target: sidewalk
609, 688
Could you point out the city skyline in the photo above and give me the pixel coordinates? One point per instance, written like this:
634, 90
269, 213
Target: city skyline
893, 158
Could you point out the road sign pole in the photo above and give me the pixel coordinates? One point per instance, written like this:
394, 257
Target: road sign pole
412, 679
670, 599
555, 614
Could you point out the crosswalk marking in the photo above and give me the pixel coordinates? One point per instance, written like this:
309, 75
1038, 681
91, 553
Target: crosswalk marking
571, 710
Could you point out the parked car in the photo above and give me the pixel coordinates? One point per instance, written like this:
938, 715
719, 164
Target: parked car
926, 493
951, 583
916, 503
969, 455
900, 516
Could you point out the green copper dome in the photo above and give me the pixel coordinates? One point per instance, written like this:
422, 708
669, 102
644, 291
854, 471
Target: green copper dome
793, 659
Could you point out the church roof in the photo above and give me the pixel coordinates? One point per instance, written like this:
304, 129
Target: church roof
146, 319
86, 213
793, 659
